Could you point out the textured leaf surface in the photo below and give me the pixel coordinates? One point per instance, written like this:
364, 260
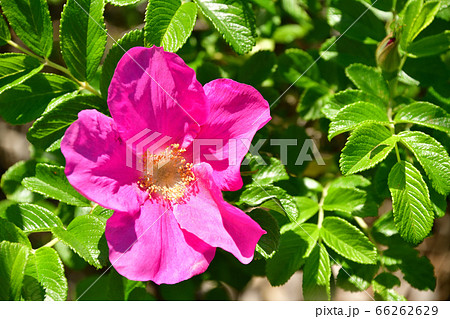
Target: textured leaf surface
344, 98
423, 19
432, 156
51, 181
233, 19
383, 285
123, 2
31, 21
54, 122
354, 115
268, 243
298, 67
130, 40
267, 173
31, 218
316, 275
431, 45
344, 199
426, 114
306, 208
5, 35
367, 146
272, 197
10, 232
26, 101
48, 269
13, 259
296, 243
413, 213
83, 37
368, 79
169, 23
16, 68
347, 240
85, 236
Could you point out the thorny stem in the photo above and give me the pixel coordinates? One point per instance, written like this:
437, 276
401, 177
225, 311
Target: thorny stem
47, 62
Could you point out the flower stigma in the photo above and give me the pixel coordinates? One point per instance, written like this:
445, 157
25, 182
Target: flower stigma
167, 175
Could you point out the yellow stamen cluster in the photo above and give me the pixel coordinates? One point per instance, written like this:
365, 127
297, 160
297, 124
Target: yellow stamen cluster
167, 176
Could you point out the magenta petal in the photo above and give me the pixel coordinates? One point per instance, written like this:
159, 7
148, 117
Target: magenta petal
95, 163
210, 218
151, 246
237, 112
155, 90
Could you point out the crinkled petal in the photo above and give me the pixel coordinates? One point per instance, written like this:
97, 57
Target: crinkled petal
96, 163
152, 246
206, 215
237, 112
153, 91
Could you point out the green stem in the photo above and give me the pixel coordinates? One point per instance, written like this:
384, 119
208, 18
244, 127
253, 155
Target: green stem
47, 62
321, 211
51, 243
362, 224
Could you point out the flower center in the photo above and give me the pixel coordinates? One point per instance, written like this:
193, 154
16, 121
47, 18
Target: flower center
167, 175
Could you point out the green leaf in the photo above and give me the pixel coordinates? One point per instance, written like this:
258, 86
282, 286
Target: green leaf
369, 80
123, 2
419, 272
354, 115
234, 19
268, 243
53, 123
426, 114
432, 156
85, 236
351, 181
130, 40
10, 232
15, 68
367, 146
358, 23
169, 23
252, 73
344, 98
296, 244
348, 241
355, 277
382, 286
408, 15
413, 213
45, 266
26, 101
13, 259
307, 208
269, 5
31, 218
31, 21
316, 275
51, 181
298, 67
267, 173
83, 37
11, 182
5, 35
432, 45
271, 197
344, 200
423, 20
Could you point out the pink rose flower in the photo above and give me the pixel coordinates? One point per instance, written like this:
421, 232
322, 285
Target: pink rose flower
170, 217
